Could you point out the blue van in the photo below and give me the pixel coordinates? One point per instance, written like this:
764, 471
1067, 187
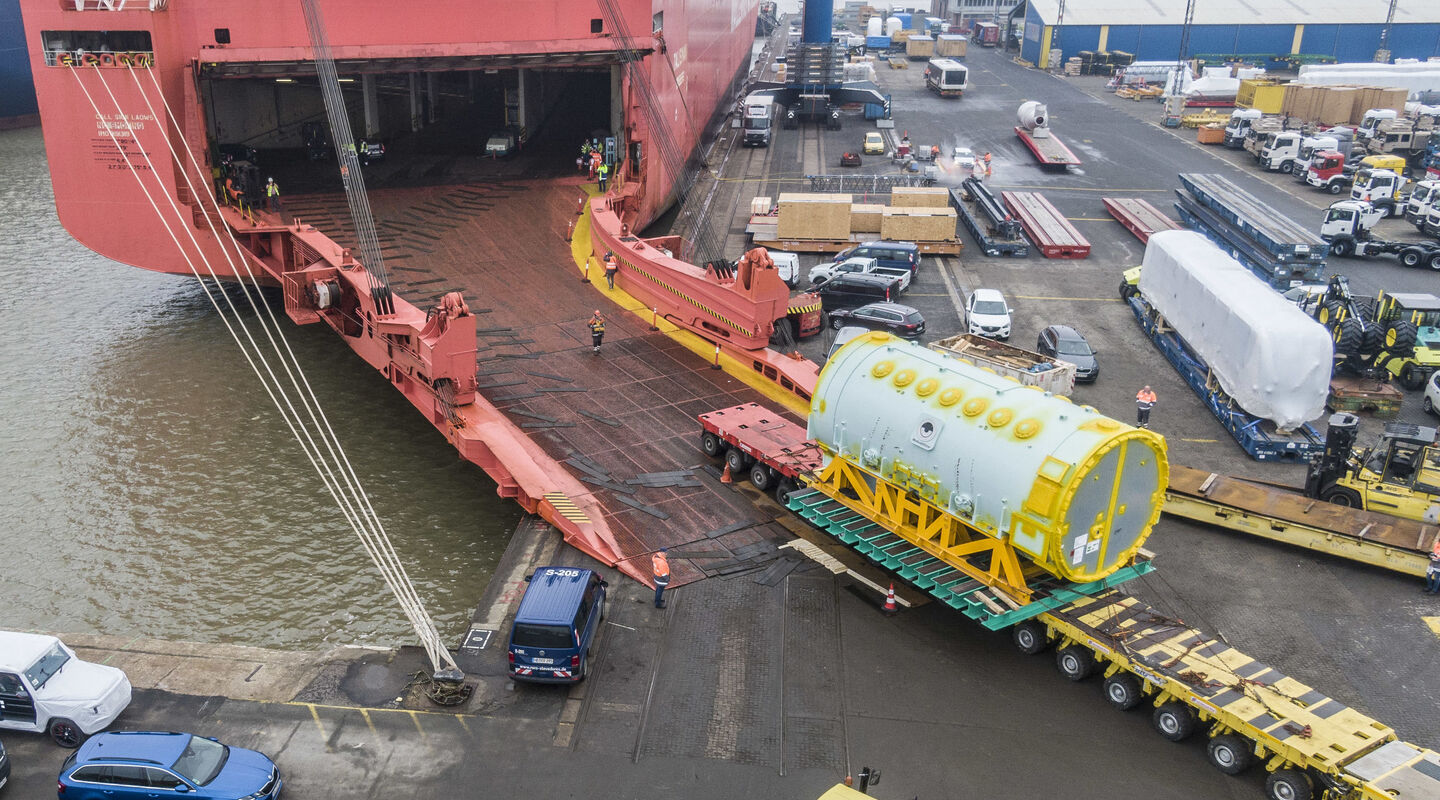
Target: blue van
558, 619
886, 254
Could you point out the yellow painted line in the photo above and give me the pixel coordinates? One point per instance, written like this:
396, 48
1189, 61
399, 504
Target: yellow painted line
580, 251
369, 723
314, 706
315, 715
1070, 299
466, 725
416, 719
1433, 623
1201, 441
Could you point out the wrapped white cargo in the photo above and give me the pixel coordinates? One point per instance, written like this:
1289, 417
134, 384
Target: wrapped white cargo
1267, 354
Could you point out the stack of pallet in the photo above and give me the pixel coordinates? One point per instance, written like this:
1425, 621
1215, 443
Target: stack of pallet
1073, 66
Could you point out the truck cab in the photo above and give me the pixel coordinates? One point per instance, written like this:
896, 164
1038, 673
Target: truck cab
1379, 187
1309, 146
1397, 137
1423, 198
1370, 123
759, 120
1240, 121
1327, 171
1347, 221
1280, 151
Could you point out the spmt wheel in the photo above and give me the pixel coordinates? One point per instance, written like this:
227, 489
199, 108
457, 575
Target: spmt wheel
65, 733
1075, 662
1122, 690
1174, 721
1230, 754
783, 489
1030, 637
737, 461
1289, 784
762, 477
711, 444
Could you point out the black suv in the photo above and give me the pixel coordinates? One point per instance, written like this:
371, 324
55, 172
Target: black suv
851, 290
893, 317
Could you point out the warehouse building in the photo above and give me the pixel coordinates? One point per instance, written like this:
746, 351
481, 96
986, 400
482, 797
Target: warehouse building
1345, 30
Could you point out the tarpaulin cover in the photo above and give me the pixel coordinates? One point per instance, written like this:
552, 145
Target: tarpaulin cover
1267, 354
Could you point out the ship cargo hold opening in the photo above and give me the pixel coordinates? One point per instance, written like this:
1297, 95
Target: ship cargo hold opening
414, 122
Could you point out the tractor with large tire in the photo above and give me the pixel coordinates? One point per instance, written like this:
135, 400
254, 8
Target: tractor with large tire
1393, 335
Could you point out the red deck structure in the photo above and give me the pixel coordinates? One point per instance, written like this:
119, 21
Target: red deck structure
1048, 150
1052, 234
1139, 217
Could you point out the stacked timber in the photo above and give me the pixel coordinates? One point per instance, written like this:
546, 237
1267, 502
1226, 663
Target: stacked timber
865, 217
918, 224
920, 197
814, 216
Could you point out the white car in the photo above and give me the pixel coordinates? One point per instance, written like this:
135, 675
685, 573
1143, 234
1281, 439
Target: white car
987, 314
1431, 401
963, 157
45, 687
500, 144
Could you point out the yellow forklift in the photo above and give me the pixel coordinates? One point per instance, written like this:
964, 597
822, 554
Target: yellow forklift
1398, 475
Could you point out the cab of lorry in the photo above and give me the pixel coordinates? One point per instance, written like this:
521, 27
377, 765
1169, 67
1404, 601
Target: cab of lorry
556, 624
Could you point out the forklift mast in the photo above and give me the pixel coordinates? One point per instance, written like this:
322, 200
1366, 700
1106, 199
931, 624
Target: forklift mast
1335, 460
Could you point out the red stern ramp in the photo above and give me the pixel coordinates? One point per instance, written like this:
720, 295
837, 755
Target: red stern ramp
1052, 234
1139, 217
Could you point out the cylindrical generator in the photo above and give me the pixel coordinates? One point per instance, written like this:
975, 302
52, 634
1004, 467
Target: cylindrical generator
1071, 489
1032, 115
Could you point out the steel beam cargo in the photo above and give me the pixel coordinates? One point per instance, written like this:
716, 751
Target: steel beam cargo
994, 229
1138, 216
1274, 247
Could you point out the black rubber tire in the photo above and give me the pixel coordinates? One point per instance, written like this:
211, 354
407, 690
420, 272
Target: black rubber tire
1426, 404
784, 333
761, 477
1122, 691
65, 733
1373, 341
1412, 256
1385, 210
1329, 312
1334, 187
836, 323
1230, 754
711, 445
1412, 378
1030, 637
1175, 721
1289, 784
1075, 662
1341, 496
1287, 167
737, 461
1342, 247
824, 319
1348, 336
1400, 337
1434, 262
783, 489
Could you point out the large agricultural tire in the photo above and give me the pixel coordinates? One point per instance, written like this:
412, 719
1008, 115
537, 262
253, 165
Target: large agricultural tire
1127, 291
1075, 662
1122, 691
1230, 754
1175, 721
1329, 312
711, 445
1341, 496
1400, 337
1030, 637
1289, 784
1411, 377
1348, 336
1373, 341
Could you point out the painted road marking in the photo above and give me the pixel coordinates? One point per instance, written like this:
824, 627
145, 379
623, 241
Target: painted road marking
1433, 623
315, 715
365, 715
1201, 441
1070, 299
414, 717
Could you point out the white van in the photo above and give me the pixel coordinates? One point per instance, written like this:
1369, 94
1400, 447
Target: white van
788, 265
45, 687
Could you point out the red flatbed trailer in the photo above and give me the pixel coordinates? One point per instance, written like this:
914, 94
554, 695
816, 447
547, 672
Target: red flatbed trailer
1052, 234
762, 443
1139, 217
1048, 150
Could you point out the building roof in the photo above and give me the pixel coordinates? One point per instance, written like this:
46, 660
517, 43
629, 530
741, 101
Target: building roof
1230, 12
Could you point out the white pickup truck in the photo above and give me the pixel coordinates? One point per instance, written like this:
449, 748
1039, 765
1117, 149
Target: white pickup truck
1026, 367
865, 266
44, 687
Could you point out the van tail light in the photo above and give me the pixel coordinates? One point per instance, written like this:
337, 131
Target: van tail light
512, 656
575, 662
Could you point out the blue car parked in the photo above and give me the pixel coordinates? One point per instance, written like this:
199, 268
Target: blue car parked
555, 625
126, 764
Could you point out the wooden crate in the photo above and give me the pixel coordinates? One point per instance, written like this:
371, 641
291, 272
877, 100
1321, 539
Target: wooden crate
918, 224
760, 205
1210, 134
814, 216
951, 45
920, 197
865, 217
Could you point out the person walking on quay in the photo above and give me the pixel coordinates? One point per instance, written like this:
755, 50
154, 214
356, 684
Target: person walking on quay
612, 266
604, 172
597, 329
1144, 401
660, 565
987, 164
272, 195
1432, 573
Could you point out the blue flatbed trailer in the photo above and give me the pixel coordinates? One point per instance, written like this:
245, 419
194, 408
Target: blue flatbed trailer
1258, 437
998, 234
1277, 249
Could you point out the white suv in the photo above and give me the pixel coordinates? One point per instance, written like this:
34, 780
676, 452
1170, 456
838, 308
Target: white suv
45, 687
1431, 402
987, 314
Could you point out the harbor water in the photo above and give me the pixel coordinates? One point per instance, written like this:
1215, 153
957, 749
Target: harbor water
153, 490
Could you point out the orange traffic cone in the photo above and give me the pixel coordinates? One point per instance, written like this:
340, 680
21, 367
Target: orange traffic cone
726, 477
890, 608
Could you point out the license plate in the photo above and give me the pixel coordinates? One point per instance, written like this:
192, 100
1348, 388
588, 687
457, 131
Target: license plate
543, 660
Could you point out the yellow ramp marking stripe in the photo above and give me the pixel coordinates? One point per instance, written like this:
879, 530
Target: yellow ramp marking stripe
315, 715
567, 508
1201, 441
416, 719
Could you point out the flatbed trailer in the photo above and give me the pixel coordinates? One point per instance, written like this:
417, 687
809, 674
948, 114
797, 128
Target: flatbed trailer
1364, 395
1286, 515
1052, 234
762, 444
1258, 437
995, 230
1303, 738
1048, 150
1277, 249
764, 233
1139, 217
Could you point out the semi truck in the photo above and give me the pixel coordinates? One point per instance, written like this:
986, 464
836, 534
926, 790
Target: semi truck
759, 120
1349, 227
1240, 121
1382, 188
1423, 198
1025, 367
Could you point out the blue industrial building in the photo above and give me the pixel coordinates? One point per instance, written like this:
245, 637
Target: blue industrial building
1346, 30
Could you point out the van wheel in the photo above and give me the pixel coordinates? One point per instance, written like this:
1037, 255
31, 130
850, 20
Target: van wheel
1174, 721
65, 733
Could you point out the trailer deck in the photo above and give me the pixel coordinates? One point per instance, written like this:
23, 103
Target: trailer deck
1048, 150
1278, 249
1139, 217
998, 233
1052, 234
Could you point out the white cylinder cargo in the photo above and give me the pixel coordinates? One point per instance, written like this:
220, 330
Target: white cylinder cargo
1073, 490
1032, 115
873, 27
892, 25
1268, 355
